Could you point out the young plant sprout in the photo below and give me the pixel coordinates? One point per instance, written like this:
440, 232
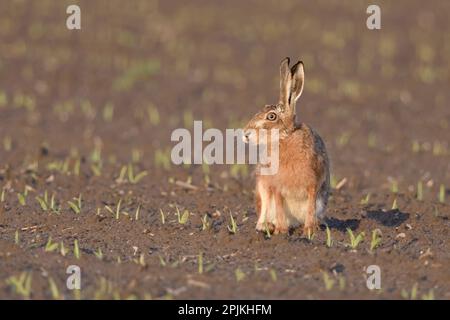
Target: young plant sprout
376, 239
355, 240
51, 246
329, 239
232, 227
182, 218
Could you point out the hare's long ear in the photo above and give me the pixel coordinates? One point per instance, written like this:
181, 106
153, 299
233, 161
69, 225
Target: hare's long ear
285, 83
298, 79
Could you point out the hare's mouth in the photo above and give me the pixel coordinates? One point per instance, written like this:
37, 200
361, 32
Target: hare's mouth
246, 137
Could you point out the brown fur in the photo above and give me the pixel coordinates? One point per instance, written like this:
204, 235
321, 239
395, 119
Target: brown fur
302, 180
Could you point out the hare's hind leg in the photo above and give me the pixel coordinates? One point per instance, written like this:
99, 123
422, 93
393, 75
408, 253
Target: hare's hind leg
281, 225
311, 219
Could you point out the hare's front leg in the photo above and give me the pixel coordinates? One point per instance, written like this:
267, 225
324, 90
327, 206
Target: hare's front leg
263, 195
310, 219
281, 225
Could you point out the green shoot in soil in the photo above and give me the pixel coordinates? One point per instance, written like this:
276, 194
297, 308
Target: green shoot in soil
329, 240
75, 206
99, 254
182, 218
53, 289
442, 193
239, 274
354, 241
51, 246
420, 191
21, 285
376, 239
163, 217
76, 249
205, 222
328, 281
200, 263
16, 237
232, 228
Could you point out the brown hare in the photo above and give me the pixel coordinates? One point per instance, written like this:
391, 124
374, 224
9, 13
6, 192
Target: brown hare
298, 192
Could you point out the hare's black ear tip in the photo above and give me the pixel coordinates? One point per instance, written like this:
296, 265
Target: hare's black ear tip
287, 59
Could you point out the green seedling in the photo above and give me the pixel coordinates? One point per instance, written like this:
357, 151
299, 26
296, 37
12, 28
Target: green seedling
205, 222
239, 274
442, 193
75, 205
376, 239
22, 197
136, 155
76, 167
122, 174
415, 146
366, 199
76, 249
200, 263
51, 246
21, 285
96, 169
182, 218
136, 214
53, 206
153, 115
341, 283
329, 239
99, 254
54, 289
16, 237
394, 204
273, 275
429, 295
420, 191
394, 186
239, 170
141, 260
43, 201
412, 295
354, 241
108, 112
62, 249
343, 139
333, 181
7, 143
135, 178
162, 159
328, 281
163, 217
232, 227
162, 261
116, 212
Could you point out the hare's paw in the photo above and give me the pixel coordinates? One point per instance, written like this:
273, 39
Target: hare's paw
265, 226
281, 230
310, 227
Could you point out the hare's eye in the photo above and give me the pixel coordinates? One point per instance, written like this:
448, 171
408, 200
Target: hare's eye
271, 116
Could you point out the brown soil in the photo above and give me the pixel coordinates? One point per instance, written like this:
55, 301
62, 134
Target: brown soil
379, 99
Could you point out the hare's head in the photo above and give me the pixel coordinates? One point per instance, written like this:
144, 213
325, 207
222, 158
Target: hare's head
279, 116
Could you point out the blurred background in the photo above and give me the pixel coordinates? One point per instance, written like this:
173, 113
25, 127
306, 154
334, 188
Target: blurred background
136, 71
